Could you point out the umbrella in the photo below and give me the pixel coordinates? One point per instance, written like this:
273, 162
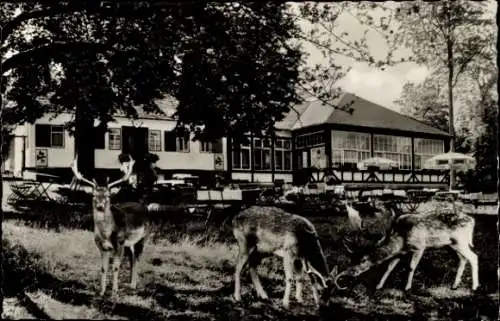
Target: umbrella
377, 162
443, 161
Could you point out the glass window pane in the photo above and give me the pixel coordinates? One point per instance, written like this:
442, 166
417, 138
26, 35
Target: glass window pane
267, 159
288, 160
245, 158
57, 140
278, 160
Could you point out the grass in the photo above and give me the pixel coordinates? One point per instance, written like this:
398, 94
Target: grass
186, 274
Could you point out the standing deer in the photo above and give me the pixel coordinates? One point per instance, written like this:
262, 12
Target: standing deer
413, 233
116, 227
265, 231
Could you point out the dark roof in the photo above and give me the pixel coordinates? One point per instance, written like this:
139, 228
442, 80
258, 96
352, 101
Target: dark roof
368, 114
167, 105
365, 114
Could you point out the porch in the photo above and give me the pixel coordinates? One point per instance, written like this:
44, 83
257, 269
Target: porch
374, 178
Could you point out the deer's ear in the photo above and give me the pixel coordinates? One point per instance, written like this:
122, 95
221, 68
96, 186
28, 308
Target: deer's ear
334, 271
93, 180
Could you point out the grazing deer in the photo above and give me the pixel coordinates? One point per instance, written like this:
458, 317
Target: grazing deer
413, 233
371, 225
116, 227
265, 231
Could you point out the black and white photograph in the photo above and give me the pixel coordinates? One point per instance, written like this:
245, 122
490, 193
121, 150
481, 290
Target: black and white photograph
249, 160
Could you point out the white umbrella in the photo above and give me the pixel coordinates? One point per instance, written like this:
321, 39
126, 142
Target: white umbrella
378, 162
443, 161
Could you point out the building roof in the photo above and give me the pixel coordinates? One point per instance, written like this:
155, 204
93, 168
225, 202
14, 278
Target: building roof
167, 105
364, 114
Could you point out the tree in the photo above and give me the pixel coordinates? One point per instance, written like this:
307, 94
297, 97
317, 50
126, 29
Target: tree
424, 101
225, 63
448, 35
324, 28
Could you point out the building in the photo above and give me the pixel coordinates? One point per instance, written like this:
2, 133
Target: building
312, 140
333, 141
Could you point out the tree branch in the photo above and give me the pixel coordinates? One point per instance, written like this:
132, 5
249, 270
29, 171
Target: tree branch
76, 6
462, 67
46, 52
16, 22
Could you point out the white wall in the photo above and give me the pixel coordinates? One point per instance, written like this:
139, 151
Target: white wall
105, 158
261, 177
57, 157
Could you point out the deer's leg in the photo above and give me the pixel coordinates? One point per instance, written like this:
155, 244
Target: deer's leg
314, 283
241, 261
415, 259
467, 252
117, 260
288, 265
390, 268
253, 262
134, 260
105, 257
299, 278
460, 271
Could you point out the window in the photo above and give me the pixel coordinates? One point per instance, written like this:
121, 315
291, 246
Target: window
425, 149
183, 144
211, 147
309, 140
49, 136
174, 143
154, 140
205, 147
283, 154
241, 156
349, 148
395, 148
262, 153
115, 139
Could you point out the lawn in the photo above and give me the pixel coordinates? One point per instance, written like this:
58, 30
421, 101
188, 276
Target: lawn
186, 274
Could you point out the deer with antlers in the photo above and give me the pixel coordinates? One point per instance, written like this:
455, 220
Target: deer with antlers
413, 234
116, 227
265, 231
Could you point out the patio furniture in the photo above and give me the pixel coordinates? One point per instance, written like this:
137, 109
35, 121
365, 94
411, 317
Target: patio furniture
32, 190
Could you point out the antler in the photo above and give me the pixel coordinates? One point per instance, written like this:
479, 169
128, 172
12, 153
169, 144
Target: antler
126, 176
337, 278
346, 240
79, 176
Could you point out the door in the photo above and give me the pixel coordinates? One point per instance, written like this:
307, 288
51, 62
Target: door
135, 141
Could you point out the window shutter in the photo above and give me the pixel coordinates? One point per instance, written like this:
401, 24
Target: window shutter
217, 146
170, 141
42, 135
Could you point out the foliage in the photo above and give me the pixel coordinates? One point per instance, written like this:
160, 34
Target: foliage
447, 36
322, 30
425, 102
228, 64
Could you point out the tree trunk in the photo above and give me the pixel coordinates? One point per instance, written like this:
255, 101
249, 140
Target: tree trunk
450, 104
84, 138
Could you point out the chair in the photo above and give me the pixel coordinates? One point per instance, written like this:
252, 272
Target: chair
24, 191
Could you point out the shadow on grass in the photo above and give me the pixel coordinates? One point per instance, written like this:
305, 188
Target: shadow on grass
22, 273
220, 305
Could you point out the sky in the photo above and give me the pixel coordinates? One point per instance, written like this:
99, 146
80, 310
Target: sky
381, 87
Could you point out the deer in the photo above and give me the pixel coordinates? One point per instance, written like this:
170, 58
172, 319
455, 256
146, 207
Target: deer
262, 231
116, 227
413, 234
